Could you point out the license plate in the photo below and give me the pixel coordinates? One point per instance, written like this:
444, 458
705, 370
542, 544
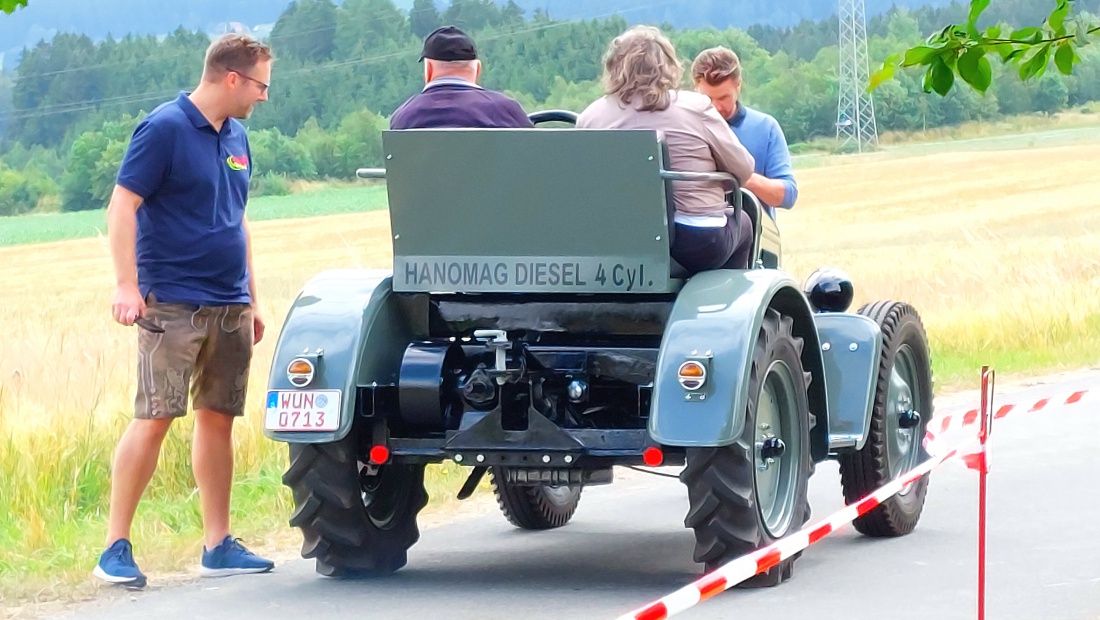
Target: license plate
302, 410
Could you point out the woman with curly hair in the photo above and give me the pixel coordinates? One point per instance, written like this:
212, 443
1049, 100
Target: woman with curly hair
641, 78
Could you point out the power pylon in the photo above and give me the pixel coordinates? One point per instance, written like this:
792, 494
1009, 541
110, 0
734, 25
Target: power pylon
855, 117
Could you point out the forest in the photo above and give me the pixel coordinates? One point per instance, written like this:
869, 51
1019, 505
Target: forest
67, 112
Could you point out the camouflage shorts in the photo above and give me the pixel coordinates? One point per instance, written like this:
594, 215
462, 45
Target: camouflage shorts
205, 348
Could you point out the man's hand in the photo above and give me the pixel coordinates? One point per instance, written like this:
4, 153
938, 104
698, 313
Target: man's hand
754, 183
128, 304
770, 191
258, 325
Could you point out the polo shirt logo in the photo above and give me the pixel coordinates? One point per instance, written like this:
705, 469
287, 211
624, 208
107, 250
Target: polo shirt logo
237, 162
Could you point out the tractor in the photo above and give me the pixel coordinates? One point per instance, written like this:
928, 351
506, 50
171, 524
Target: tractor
535, 328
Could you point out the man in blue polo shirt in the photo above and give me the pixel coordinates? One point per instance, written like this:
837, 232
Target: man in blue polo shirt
181, 250
451, 96
717, 74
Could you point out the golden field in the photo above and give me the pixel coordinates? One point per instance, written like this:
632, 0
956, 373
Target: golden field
999, 251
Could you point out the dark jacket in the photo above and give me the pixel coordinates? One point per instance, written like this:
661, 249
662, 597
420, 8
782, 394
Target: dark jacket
454, 103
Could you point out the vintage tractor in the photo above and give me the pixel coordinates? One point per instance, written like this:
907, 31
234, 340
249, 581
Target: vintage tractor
535, 328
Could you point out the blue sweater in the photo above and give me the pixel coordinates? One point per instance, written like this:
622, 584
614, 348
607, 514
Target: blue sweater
762, 136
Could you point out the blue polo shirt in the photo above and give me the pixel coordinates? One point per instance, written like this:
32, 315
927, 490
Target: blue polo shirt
191, 245
764, 139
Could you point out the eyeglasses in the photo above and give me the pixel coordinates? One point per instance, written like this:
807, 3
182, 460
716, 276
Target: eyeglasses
263, 86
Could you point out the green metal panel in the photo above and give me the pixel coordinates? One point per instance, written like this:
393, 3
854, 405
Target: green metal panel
718, 315
536, 210
771, 247
851, 345
352, 318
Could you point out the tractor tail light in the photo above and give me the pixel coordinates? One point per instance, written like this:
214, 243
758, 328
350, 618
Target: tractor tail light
692, 375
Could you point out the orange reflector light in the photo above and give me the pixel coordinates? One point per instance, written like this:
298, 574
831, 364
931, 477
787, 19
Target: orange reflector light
692, 369
300, 367
300, 372
692, 375
379, 454
653, 456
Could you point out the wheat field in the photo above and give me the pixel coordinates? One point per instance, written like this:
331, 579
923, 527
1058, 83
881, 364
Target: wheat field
999, 251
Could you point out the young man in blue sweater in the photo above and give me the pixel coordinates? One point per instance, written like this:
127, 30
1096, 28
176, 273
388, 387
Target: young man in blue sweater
717, 74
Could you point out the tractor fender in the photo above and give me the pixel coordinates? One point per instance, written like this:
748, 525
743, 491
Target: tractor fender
717, 317
346, 322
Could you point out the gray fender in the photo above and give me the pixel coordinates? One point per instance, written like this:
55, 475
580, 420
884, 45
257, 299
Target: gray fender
851, 345
721, 312
350, 316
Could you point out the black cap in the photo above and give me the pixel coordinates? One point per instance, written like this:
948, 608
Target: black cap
449, 43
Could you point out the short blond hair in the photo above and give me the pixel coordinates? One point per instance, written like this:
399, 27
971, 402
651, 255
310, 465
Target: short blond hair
642, 63
234, 52
716, 65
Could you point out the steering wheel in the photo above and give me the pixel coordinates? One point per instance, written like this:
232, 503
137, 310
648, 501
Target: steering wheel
553, 116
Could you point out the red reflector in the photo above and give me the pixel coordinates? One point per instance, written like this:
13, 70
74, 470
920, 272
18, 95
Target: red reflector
379, 454
653, 456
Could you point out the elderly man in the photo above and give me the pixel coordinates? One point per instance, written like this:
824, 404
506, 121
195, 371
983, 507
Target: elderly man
451, 96
717, 74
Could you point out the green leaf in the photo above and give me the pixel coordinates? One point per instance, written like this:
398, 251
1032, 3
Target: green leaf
1037, 64
951, 59
1057, 19
1064, 58
976, 9
880, 76
1026, 34
9, 6
889, 67
1006, 50
993, 32
942, 78
975, 69
921, 55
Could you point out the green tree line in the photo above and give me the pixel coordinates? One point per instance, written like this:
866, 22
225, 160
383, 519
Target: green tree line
342, 69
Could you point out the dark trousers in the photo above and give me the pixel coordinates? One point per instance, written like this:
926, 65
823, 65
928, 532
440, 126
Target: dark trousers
698, 248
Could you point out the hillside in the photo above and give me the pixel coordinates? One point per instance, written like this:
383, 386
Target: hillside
100, 18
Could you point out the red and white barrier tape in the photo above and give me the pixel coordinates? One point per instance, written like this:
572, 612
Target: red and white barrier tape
759, 561
972, 420
763, 559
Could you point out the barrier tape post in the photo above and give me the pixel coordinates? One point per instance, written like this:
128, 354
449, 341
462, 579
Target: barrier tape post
988, 383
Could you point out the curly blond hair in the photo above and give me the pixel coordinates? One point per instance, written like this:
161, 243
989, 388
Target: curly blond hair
641, 63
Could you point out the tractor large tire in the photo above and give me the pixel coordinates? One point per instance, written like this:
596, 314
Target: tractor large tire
355, 521
540, 507
891, 448
737, 508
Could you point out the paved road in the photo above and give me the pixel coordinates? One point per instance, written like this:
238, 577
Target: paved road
627, 546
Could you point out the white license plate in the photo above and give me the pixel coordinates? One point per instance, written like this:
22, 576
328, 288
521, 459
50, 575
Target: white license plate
302, 410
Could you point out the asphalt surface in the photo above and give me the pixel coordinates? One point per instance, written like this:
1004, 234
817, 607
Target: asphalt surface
627, 546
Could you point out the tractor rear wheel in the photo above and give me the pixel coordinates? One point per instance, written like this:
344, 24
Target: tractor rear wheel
751, 493
357, 520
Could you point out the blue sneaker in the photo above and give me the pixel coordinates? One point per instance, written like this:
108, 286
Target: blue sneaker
117, 566
231, 558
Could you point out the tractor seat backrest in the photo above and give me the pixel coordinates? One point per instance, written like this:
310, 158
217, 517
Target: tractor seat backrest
528, 210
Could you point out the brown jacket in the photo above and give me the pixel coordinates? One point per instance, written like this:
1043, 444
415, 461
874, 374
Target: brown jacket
698, 139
